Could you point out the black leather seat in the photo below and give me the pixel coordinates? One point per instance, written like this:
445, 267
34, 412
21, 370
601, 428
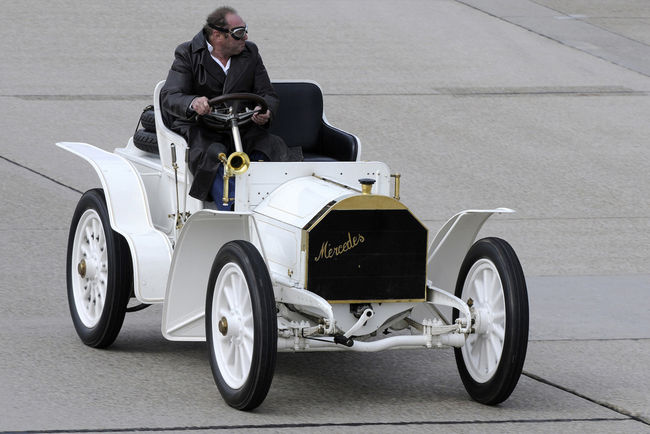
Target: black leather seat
300, 123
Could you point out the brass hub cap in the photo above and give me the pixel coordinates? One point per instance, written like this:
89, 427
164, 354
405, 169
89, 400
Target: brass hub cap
223, 326
81, 268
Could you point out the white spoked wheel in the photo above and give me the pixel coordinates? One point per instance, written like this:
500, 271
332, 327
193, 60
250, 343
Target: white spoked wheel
492, 282
483, 349
241, 325
89, 282
98, 272
233, 332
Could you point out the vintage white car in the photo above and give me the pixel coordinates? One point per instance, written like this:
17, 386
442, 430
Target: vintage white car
316, 255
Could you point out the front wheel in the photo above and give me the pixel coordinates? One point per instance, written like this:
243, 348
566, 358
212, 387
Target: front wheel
491, 361
241, 325
98, 272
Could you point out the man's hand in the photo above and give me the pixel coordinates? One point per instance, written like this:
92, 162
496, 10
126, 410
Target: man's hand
200, 105
261, 118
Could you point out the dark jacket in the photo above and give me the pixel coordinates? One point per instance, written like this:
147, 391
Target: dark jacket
194, 73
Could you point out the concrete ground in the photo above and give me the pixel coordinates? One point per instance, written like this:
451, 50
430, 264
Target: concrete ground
541, 106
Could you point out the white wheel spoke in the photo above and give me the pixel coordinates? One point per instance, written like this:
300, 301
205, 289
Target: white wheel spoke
233, 287
241, 357
95, 305
495, 345
497, 303
235, 358
247, 332
93, 230
248, 328
247, 309
242, 296
499, 332
498, 316
489, 354
484, 286
495, 285
477, 291
488, 287
475, 349
481, 356
230, 351
99, 300
246, 349
228, 297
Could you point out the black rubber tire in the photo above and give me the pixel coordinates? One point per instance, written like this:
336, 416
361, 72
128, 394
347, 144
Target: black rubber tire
146, 141
265, 334
148, 120
501, 384
119, 275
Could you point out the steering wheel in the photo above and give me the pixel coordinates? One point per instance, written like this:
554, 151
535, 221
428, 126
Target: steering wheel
233, 109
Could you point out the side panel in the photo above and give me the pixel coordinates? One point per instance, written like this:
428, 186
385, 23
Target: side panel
450, 245
129, 214
200, 239
282, 248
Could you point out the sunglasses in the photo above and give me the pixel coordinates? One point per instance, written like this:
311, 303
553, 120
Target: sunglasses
237, 33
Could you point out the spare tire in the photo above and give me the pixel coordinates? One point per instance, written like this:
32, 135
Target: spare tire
146, 141
148, 120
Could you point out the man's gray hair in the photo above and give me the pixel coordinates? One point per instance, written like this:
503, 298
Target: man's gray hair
217, 18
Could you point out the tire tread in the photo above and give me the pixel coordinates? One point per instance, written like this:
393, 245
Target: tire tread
146, 141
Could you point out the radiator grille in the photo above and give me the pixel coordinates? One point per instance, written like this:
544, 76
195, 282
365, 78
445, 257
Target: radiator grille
367, 255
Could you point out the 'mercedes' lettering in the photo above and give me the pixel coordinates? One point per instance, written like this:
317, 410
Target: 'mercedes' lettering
328, 252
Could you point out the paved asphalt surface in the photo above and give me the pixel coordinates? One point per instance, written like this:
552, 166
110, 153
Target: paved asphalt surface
537, 105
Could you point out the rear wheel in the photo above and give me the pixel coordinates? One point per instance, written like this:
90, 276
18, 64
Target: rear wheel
241, 325
491, 361
98, 272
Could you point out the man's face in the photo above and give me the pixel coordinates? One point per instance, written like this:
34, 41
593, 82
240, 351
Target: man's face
230, 45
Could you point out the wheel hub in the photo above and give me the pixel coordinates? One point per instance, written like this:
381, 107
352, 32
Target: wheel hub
483, 320
234, 327
88, 269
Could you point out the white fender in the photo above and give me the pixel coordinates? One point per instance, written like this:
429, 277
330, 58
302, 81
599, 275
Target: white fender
128, 210
201, 238
450, 245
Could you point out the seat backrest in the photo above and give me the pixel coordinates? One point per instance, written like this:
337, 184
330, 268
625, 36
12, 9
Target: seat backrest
299, 120
166, 137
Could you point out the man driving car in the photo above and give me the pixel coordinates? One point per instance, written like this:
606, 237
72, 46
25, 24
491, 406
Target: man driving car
219, 60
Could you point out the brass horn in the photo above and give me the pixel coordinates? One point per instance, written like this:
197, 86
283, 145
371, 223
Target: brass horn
236, 164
